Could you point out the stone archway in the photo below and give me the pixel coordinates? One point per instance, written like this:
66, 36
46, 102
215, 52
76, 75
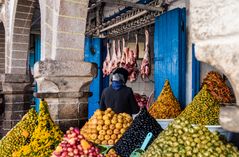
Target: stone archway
17, 17
19, 37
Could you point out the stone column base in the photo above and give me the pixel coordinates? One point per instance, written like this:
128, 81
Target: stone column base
17, 99
65, 86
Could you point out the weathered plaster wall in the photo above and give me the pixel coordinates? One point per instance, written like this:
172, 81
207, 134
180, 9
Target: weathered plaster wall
216, 35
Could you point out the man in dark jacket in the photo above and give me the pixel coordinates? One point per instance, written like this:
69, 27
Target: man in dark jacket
118, 96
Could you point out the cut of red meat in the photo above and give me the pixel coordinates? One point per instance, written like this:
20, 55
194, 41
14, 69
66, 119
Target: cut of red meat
106, 64
145, 66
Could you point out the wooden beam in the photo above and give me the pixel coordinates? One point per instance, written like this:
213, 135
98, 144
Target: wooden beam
134, 5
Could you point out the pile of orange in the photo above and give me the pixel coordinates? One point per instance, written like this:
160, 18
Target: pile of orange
106, 127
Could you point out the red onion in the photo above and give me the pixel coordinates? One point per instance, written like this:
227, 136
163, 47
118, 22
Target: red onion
76, 151
77, 131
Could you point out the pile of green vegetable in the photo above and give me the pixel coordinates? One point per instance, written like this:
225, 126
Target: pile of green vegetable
19, 135
181, 139
204, 109
45, 138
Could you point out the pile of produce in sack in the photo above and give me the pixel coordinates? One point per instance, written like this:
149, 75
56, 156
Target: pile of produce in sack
204, 109
106, 127
134, 137
166, 106
45, 138
74, 144
182, 139
112, 153
142, 100
218, 88
19, 135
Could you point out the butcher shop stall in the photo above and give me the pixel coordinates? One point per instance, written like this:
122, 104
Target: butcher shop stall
148, 38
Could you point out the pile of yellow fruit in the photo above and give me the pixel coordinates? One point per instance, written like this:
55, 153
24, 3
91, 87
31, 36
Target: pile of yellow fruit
106, 127
19, 135
45, 138
112, 153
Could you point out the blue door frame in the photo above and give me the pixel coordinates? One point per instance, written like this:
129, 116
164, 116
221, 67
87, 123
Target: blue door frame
95, 52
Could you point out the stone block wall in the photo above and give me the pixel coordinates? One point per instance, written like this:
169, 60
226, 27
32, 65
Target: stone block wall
215, 32
2, 49
62, 76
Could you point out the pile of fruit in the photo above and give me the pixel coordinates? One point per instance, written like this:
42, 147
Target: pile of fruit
182, 139
112, 153
45, 138
19, 135
74, 144
106, 127
217, 87
142, 100
204, 109
166, 106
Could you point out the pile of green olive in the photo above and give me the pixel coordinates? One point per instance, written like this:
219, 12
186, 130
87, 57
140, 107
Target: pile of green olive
181, 139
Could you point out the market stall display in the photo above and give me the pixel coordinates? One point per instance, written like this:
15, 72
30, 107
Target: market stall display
135, 135
19, 135
217, 87
204, 109
166, 106
106, 127
182, 139
74, 144
45, 138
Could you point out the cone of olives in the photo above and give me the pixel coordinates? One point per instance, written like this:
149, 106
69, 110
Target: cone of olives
182, 139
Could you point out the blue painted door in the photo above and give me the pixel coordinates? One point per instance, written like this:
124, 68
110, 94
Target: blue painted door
195, 73
95, 53
34, 57
170, 52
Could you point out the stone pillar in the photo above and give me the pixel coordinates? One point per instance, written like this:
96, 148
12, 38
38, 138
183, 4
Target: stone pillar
17, 97
64, 85
213, 29
62, 76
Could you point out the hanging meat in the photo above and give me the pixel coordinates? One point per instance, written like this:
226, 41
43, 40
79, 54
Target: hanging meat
106, 64
145, 66
118, 54
114, 57
136, 52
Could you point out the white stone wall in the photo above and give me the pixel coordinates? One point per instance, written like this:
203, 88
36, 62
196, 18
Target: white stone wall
214, 29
